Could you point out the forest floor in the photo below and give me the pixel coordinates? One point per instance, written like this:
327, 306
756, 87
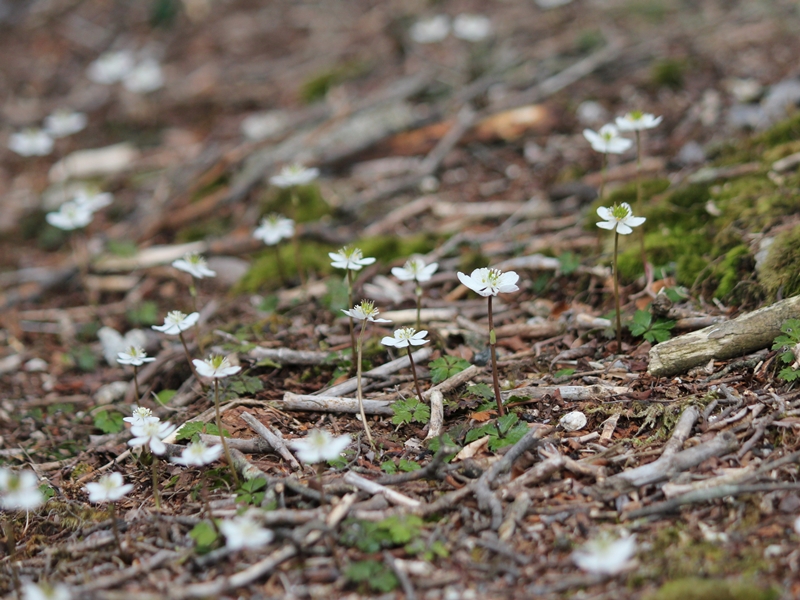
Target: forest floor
469, 153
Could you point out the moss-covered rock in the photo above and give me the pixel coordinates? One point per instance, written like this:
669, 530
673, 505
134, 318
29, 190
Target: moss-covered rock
694, 588
781, 269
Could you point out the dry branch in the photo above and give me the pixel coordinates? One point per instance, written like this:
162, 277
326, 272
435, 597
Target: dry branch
385, 369
664, 468
272, 439
293, 401
573, 393
287, 356
747, 333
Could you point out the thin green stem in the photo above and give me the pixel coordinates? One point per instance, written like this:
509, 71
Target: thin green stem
279, 264
639, 200
154, 467
419, 305
414, 372
359, 389
206, 504
136, 384
493, 350
221, 436
298, 257
602, 177
11, 546
189, 358
352, 323
616, 292
112, 512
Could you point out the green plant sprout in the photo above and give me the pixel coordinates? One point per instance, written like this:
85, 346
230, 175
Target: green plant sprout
291, 177
788, 344
619, 219
489, 283
606, 141
351, 260
218, 367
406, 338
364, 312
415, 269
653, 331
445, 367
637, 121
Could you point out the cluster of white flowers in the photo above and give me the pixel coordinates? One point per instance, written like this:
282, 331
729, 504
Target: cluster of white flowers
150, 431
19, 490
140, 77
194, 264
79, 212
35, 141
469, 27
608, 139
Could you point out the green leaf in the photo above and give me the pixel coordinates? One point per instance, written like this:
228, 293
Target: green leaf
406, 411
268, 362
375, 574
641, 322
145, 313
445, 367
165, 396
563, 373
204, 536
447, 440
481, 390
252, 491
109, 422
388, 467
191, 428
568, 263
407, 466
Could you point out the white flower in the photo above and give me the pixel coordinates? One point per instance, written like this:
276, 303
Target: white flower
140, 416
292, 175
619, 217
215, 367
19, 490
63, 122
195, 265
490, 282
472, 28
431, 30
92, 201
273, 229
198, 454
70, 216
607, 140
145, 77
150, 433
45, 591
319, 445
605, 555
244, 532
405, 337
176, 321
637, 121
350, 259
31, 142
109, 488
415, 269
365, 311
134, 356
573, 421
111, 67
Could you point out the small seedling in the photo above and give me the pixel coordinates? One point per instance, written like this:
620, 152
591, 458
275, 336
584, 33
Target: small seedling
653, 331
445, 367
788, 344
411, 410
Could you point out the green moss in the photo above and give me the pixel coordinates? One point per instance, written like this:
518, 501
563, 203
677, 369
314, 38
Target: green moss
675, 554
308, 205
668, 72
694, 588
264, 274
318, 86
780, 272
737, 265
